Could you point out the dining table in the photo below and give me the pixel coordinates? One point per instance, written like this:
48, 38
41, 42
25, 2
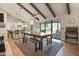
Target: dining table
41, 36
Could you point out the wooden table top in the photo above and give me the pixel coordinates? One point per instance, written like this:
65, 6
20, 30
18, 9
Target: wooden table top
43, 35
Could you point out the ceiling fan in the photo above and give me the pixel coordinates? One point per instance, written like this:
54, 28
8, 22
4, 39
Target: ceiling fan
36, 14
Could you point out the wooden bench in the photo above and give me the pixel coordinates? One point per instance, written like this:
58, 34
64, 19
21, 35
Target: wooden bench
35, 41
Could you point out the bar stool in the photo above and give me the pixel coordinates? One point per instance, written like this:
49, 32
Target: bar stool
2, 46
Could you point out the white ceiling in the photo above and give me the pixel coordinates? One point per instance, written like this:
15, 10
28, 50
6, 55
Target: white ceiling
74, 8
44, 10
58, 8
14, 10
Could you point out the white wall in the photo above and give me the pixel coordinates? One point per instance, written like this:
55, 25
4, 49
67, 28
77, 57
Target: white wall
65, 22
3, 30
10, 22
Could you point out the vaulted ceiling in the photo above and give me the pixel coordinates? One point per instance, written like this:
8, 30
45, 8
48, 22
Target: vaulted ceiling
46, 11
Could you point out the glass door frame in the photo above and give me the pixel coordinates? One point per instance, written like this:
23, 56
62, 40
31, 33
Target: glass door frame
51, 22
45, 26
58, 22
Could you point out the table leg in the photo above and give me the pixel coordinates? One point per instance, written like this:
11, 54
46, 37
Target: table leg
24, 38
51, 39
11, 35
41, 45
35, 47
8, 34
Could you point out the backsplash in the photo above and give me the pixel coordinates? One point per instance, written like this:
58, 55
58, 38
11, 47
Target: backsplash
2, 31
2, 25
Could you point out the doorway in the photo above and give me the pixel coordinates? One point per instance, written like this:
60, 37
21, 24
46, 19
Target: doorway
56, 25
53, 26
48, 28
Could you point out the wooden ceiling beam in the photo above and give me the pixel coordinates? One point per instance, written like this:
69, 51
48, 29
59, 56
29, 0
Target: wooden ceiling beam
38, 10
50, 9
19, 4
68, 8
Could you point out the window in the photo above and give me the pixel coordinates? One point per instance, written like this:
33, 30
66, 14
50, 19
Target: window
54, 27
42, 27
48, 28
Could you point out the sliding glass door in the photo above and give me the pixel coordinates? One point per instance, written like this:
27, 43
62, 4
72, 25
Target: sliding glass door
56, 26
56, 29
48, 28
51, 27
42, 27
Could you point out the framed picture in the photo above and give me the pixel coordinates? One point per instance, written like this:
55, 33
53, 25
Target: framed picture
71, 20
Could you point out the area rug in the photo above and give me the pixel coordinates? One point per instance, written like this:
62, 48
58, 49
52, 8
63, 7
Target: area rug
48, 50
56, 46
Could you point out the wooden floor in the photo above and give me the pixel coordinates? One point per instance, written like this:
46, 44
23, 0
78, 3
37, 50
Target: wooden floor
13, 50
68, 49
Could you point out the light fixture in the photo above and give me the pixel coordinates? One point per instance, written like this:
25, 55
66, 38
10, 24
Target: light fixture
36, 14
71, 19
18, 14
31, 22
19, 18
